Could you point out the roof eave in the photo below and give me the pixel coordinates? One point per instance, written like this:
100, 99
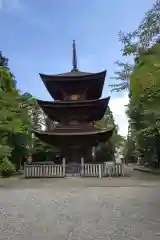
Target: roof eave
98, 132
52, 104
99, 75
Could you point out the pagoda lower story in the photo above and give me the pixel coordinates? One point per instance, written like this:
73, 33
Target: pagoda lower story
76, 108
75, 144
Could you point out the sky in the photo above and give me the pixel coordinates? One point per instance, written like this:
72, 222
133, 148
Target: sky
37, 35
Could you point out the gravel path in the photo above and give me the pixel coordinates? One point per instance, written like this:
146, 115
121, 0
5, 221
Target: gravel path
79, 209
125, 208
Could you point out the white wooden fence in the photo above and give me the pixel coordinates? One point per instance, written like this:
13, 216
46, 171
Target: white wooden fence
45, 170
102, 170
42, 170
114, 169
91, 170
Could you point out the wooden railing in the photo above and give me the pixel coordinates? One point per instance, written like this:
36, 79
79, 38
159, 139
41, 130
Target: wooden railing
46, 170
79, 127
43, 170
102, 170
91, 170
114, 169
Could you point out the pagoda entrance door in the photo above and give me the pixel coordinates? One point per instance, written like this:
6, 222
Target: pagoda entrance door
73, 169
73, 163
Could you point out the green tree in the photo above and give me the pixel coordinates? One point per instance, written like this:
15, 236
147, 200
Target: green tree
143, 84
105, 152
40, 150
22, 142
37, 117
136, 43
144, 103
14, 118
123, 76
3, 61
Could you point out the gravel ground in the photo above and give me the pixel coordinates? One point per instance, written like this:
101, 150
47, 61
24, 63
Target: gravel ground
80, 209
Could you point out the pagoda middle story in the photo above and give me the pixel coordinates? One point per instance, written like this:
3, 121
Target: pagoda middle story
76, 107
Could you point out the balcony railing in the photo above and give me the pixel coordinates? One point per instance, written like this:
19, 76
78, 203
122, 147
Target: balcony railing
76, 127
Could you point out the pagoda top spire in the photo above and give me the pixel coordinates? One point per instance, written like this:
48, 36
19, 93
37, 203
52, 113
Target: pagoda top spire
74, 57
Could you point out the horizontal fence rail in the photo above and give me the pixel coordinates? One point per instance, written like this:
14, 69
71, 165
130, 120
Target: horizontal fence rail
42, 170
51, 170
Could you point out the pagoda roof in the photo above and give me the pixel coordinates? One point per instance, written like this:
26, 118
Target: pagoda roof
74, 81
74, 138
72, 103
75, 73
93, 110
73, 76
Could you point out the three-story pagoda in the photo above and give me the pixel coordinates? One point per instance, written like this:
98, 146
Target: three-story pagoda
76, 108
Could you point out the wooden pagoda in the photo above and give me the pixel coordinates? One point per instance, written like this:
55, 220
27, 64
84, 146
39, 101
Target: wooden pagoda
76, 107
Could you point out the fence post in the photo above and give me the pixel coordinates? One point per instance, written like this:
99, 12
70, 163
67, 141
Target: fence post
100, 171
64, 166
82, 166
122, 167
25, 169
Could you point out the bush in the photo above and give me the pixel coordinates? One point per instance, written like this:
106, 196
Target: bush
6, 167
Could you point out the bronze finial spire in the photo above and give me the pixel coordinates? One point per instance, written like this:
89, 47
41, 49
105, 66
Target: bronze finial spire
74, 57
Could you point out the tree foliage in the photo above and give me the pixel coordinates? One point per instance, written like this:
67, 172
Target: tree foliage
136, 44
3, 61
144, 86
122, 75
106, 151
15, 117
